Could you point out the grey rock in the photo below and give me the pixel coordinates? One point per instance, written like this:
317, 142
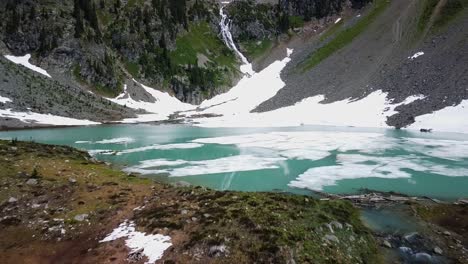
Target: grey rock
387, 244
447, 233
336, 224
81, 217
438, 250
331, 238
218, 251
12, 200
136, 256
32, 182
72, 180
422, 257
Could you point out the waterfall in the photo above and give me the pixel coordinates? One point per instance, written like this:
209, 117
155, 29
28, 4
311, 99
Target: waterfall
225, 26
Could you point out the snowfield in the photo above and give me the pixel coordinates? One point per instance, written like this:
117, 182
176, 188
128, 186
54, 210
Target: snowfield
163, 106
24, 60
45, 119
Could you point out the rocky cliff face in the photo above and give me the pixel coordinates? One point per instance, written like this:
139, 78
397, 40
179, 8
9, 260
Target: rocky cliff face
99, 44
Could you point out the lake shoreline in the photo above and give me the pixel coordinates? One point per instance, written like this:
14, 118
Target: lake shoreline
178, 212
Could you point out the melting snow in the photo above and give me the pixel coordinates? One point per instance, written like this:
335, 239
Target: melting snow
164, 105
417, 54
47, 119
448, 119
153, 246
24, 60
5, 99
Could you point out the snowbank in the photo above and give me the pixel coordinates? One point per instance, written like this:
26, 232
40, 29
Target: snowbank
448, 119
5, 99
163, 106
46, 119
24, 60
153, 246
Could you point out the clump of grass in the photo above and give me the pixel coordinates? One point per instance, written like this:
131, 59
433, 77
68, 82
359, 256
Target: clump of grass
344, 37
449, 11
255, 49
332, 30
426, 14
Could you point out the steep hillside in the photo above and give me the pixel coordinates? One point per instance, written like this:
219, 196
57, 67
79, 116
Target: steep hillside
364, 53
98, 45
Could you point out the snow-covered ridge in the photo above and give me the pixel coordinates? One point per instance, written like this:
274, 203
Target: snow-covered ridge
24, 60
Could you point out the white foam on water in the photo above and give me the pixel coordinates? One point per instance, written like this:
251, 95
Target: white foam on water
45, 119
5, 99
449, 119
161, 147
24, 60
222, 165
153, 246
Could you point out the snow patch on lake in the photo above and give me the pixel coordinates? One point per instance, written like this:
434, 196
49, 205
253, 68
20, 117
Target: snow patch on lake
221, 165
161, 147
120, 140
45, 119
24, 60
153, 246
354, 166
5, 99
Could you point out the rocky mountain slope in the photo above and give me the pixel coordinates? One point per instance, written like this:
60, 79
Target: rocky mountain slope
98, 45
403, 48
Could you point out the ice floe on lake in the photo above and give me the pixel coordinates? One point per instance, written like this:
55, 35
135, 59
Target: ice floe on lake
120, 140
24, 60
152, 246
220, 165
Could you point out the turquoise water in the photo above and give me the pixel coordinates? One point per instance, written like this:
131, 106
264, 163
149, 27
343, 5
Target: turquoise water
330, 159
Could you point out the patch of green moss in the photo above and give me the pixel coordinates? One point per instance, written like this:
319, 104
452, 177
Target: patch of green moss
332, 30
344, 37
428, 9
255, 49
133, 68
449, 11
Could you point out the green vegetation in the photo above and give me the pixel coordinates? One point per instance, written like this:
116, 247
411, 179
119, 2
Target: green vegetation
133, 68
332, 30
296, 21
266, 227
255, 49
203, 57
426, 14
344, 37
449, 11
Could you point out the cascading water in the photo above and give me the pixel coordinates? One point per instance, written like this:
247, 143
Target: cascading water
225, 26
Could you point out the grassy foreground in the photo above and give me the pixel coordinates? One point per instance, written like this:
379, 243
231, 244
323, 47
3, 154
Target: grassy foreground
57, 203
